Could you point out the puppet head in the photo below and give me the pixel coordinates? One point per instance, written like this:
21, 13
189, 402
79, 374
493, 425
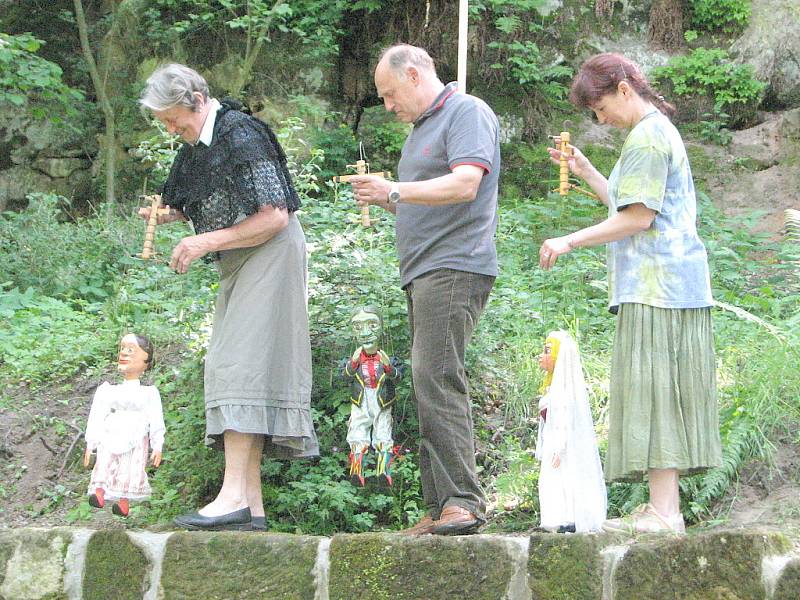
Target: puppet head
366, 322
135, 356
549, 356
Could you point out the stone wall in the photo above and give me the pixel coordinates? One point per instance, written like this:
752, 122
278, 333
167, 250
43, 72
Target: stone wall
73, 564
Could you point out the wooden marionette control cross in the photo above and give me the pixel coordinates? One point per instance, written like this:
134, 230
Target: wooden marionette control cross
155, 209
564, 186
362, 168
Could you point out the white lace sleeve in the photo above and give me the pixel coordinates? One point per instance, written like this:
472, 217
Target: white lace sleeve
97, 414
155, 419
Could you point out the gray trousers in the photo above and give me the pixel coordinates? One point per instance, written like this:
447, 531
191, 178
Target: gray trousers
443, 309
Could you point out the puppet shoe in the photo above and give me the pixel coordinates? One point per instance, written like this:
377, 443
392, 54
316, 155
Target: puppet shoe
231, 521
456, 520
646, 519
98, 498
424, 527
121, 508
568, 528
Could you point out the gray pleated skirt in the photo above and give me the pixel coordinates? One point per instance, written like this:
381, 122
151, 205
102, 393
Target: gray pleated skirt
663, 410
258, 365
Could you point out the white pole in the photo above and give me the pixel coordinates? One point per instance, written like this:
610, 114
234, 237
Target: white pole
463, 28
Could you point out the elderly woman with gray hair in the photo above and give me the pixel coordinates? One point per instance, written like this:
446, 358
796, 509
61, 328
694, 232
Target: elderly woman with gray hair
231, 182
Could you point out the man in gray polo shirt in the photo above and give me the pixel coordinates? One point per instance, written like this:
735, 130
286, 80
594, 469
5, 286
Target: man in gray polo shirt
446, 207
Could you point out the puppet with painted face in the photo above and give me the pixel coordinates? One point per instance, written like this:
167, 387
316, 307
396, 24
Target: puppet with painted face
372, 393
572, 492
125, 422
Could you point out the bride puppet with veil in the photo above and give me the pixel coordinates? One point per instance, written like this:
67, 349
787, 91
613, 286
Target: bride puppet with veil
572, 492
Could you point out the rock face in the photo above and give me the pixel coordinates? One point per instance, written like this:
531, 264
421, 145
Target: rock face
73, 563
38, 156
771, 44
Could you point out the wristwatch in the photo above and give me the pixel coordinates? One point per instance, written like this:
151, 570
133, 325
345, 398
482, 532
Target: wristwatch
394, 193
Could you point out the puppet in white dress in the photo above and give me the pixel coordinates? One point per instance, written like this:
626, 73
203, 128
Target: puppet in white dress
572, 492
125, 422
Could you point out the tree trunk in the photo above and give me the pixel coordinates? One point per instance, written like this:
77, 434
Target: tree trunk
251, 54
665, 30
102, 99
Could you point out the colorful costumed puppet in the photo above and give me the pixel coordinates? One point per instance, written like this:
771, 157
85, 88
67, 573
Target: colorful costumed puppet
125, 422
572, 493
372, 393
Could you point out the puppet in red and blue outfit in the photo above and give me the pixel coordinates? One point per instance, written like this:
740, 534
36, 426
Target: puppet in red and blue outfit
372, 393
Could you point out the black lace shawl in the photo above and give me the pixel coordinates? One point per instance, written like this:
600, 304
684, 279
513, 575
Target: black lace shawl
243, 169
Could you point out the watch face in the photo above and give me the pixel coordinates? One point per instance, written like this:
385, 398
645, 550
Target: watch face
394, 197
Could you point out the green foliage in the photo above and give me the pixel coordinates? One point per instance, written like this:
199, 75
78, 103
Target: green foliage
519, 58
714, 128
29, 80
727, 16
315, 23
709, 73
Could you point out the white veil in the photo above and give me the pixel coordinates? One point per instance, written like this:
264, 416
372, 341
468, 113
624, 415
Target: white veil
568, 410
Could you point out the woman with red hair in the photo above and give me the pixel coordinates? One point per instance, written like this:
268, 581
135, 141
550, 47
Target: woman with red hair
663, 419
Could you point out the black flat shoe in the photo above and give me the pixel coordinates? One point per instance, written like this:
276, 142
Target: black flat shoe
232, 521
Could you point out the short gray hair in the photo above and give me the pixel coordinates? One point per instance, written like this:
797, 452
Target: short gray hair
173, 85
400, 56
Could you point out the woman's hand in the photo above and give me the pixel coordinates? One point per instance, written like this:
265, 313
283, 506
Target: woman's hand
556, 461
87, 457
577, 162
553, 248
187, 251
156, 458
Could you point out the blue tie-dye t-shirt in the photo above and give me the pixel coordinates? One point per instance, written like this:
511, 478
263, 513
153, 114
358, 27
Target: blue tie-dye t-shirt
666, 265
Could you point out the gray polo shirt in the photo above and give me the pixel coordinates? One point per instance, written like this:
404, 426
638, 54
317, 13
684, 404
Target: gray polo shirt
458, 129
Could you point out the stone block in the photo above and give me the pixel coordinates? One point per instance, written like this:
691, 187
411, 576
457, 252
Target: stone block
788, 586
567, 566
114, 568
394, 567
239, 566
710, 566
32, 563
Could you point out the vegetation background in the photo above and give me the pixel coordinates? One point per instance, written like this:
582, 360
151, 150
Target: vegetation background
70, 284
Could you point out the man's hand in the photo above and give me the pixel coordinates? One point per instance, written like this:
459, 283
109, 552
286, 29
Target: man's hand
370, 189
187, 251
556, 462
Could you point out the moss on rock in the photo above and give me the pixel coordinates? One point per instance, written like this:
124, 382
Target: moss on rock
714, 566
789, 581
115, 568
32, 563
566, 566
233, 566
392, 567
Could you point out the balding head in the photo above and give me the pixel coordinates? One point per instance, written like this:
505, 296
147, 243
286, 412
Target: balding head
406, 81
398, 58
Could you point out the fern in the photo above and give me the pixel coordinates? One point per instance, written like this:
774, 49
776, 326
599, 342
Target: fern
739, 445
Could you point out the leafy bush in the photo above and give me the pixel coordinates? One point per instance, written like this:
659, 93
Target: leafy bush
727, 16
708, 78
27, 78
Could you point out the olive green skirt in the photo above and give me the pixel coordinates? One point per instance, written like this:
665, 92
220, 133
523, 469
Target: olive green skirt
663, 399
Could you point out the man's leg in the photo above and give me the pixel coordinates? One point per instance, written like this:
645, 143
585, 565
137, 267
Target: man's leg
429, 495
447, 305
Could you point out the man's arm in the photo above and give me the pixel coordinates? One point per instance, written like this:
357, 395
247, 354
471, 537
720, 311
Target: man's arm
461, 185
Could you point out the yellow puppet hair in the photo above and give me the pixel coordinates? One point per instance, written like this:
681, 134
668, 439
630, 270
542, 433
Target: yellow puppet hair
555, 344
